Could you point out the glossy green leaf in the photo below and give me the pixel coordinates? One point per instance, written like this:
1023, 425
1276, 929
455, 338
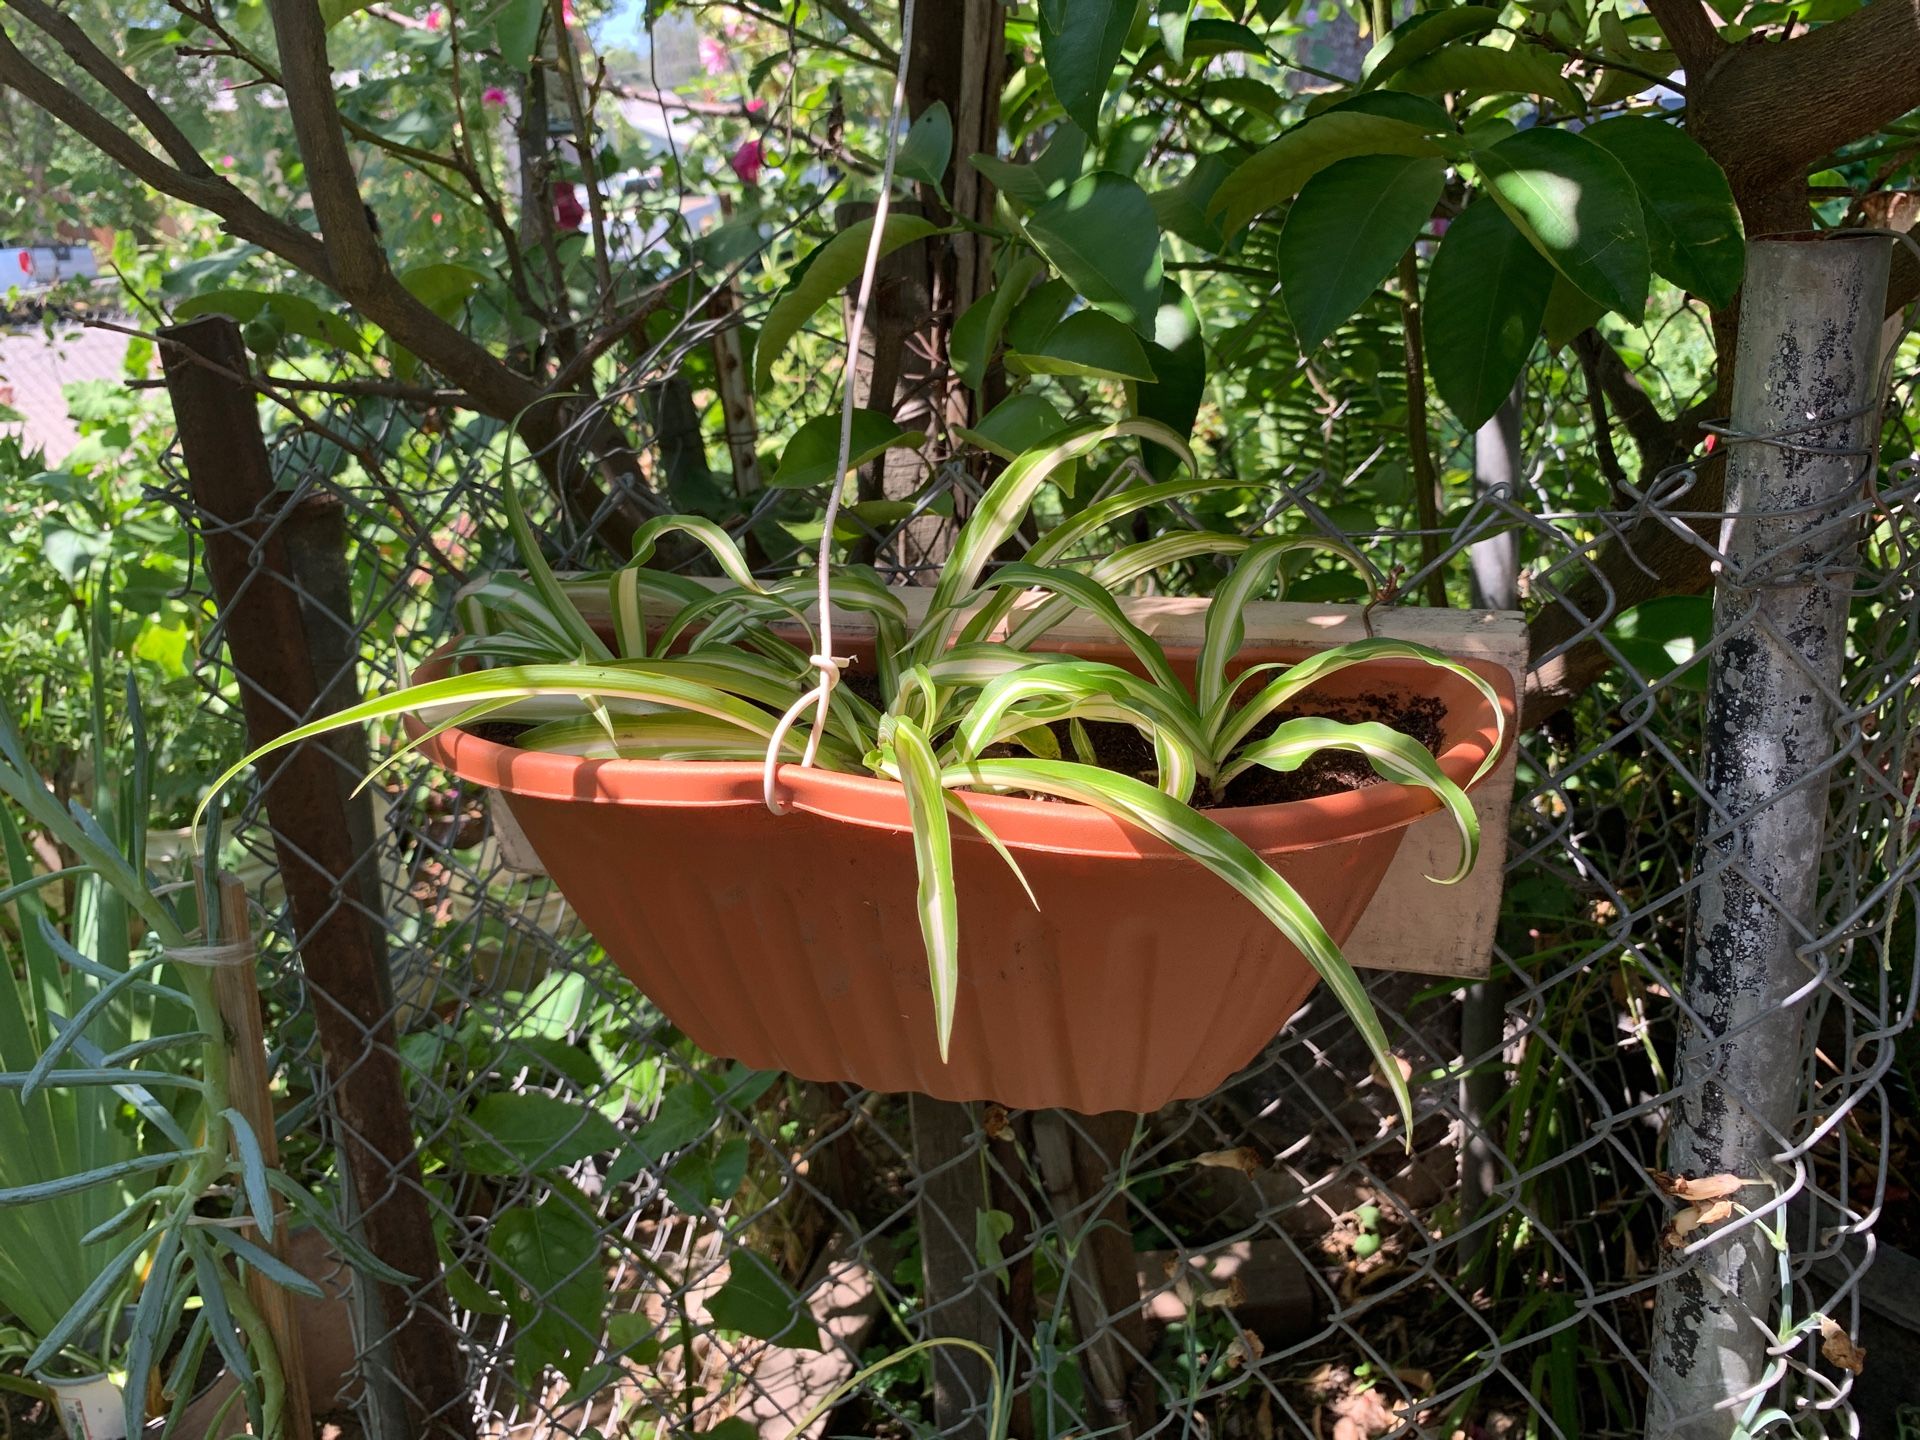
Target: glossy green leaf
1178, 357
1692, 221
443, 286
1017, 424
1347, 230
1031, 183
813, 454
976, 334
1569, 311
1578, 207
928, 148
1475, 71
1101, 234
1486, 293
756, 1301
507, 1132
1276, 173
1419, 36
1182, 208
829, 270
1081, 41
295, 314
1087, 343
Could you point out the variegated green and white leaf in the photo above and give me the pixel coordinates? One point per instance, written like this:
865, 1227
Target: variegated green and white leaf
625, 680
542, 578
1125, 566
669, 735
1226, 616
1396, 757
1229, 724
938, 902
1086, 594
1089, 690
1221, 851
1005, 505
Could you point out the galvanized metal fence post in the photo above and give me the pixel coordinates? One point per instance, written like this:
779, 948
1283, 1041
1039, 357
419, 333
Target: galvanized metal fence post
1802, 439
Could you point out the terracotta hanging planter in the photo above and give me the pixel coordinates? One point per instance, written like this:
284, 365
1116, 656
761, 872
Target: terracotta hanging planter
791, 942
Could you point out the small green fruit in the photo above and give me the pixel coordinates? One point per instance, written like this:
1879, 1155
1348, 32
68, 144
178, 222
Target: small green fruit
1368, 1216
1365, 1245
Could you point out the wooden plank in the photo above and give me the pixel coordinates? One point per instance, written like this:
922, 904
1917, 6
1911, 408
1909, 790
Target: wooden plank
250, 1087
958, 1298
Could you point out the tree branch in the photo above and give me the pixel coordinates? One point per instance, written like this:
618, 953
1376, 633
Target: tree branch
1771, 110
1695, 38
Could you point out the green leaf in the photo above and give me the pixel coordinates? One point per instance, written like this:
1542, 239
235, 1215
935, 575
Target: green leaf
332, 12
516, 29
1277, 172
443, 285
976, 334
548, 1263
506, 1133
829, 270
755, 1301
295, 314
1181, 209
936, 901
1037, 312
1692, 222
1578, 207
813, 454
253, 1172
1031, 184
990, 1229
1081, 41
925, 153
1475, 71
1100, 233
267, 1263
1178, 356
1569, 311
1016, 424
699, 1181
1421, 35
1088, 343
1347, 230
1486, 293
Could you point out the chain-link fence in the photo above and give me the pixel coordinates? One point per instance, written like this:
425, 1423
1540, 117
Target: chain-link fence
615, 1233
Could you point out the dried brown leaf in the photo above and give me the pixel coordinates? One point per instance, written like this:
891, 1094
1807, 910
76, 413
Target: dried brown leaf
1246, 1160
996, 1122
1839, 1348
1706, 1187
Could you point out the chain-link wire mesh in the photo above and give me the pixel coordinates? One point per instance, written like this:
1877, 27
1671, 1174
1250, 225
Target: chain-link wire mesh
1271, 1260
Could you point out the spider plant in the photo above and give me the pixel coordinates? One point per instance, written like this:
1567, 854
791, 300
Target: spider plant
129, 1182
689, 672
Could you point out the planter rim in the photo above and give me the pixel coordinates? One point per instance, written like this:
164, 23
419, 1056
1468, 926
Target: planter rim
1060, 827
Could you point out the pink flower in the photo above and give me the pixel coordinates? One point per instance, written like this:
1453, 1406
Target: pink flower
747, 160
567, 210
493, 95
227, 162
434, 18
713, 56
754, 107
566, 12
436, 217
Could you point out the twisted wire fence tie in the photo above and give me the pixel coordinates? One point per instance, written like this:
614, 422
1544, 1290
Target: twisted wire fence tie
820, 697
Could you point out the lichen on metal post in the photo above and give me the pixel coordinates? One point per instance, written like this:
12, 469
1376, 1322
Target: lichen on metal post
1801, 446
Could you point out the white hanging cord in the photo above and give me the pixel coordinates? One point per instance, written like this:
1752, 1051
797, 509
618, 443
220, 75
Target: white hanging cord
825, 661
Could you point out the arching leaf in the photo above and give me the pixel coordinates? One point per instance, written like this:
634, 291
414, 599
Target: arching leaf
1692, 223
1421, 35
1081, 41
1101, 234
1277, 172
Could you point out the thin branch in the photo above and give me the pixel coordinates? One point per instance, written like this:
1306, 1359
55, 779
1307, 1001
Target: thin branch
1653, 434
850, 17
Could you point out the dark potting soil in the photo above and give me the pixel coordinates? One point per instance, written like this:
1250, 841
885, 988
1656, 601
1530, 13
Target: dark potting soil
1124, 750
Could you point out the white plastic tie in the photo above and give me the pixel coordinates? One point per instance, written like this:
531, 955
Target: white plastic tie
211, 957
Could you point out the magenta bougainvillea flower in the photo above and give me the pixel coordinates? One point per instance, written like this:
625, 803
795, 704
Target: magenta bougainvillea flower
747, 161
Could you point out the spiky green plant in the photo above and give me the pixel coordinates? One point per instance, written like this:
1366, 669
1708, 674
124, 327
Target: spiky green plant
704, 674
